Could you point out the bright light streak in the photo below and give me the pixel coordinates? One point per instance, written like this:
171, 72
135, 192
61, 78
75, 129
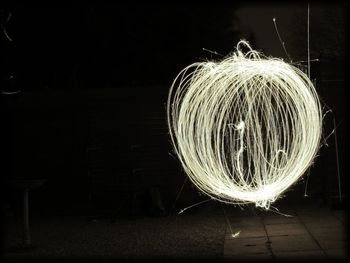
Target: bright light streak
245, 128
236, 234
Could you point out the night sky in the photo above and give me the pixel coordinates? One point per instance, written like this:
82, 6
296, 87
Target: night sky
106, 45
100, 46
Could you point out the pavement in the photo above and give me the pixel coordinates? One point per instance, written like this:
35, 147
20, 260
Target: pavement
305, 232
210, 231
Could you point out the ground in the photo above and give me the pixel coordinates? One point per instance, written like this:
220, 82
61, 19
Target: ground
310, 231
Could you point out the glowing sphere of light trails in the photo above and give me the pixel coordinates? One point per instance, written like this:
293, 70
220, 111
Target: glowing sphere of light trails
244, 128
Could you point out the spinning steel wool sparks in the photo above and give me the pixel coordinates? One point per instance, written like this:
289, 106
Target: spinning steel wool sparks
245, 128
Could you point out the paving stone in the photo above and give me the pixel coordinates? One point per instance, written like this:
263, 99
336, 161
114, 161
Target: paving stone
341, 215
247, 231
245, 246
327, 221
293, 243
246, 221
331, 243
313, 211
237, 212
249, 257
300, 255
290, 236
337, 253
285, 229
279, 213
338, 233
271, 220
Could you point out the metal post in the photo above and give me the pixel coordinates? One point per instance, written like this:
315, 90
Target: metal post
337, 158
26, 234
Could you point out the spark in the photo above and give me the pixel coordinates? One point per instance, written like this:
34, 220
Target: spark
245, 128
236, 234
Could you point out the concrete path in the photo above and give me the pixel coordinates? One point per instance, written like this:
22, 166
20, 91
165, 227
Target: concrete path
308, 233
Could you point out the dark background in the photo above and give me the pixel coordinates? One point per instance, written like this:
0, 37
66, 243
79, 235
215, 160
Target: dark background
91, 115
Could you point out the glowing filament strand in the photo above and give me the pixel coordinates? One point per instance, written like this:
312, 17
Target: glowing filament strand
245, 128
